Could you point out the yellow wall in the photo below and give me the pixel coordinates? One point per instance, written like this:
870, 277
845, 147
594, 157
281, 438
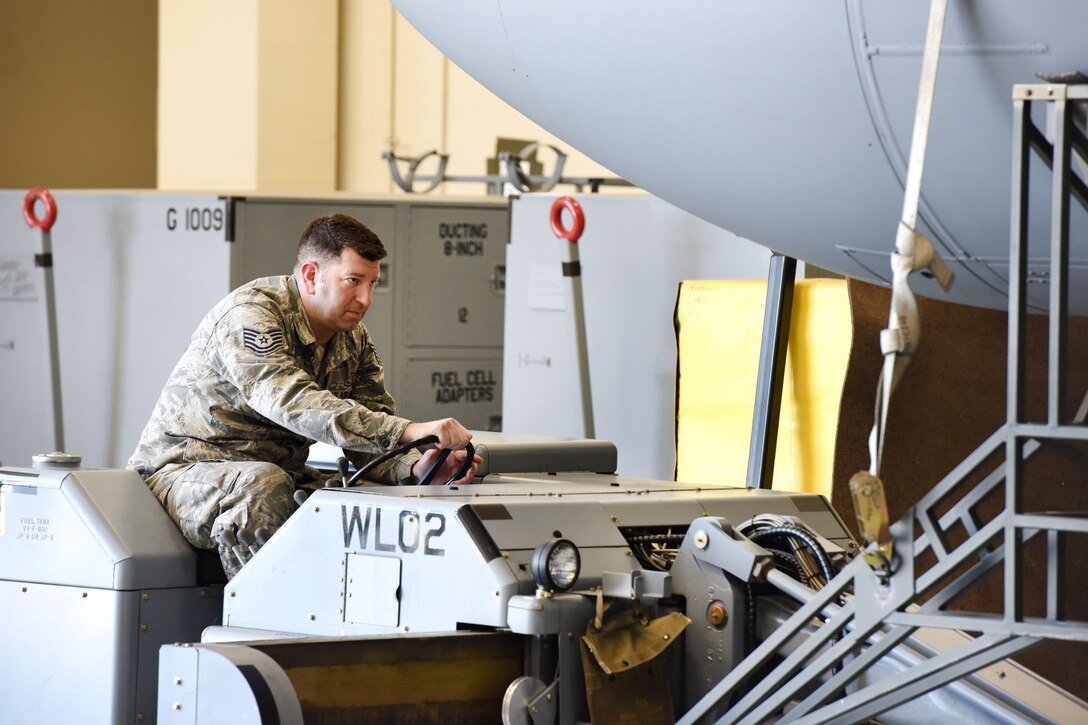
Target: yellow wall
366, 91
298, 96
721, 329
207, 94
248, 95
298, 49
78, 83
306, 95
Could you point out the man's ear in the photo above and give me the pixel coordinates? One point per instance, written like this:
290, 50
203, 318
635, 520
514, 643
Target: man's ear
308, 276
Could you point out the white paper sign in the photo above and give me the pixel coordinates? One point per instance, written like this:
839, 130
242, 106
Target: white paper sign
17, 278
546, 291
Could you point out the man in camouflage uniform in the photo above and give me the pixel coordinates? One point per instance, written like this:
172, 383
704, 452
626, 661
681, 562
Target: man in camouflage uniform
277, 364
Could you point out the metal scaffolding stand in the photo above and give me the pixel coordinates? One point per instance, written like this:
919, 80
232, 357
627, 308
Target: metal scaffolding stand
864, 618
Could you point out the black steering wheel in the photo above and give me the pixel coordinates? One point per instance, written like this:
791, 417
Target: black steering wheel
470, 452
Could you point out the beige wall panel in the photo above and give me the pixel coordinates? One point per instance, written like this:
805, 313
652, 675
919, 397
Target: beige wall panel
297, 95
418, 103
78, 81
285, 95
366, 95
207, 94
297, 152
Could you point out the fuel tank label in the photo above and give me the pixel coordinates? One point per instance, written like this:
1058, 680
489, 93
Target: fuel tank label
34, 528
412, 532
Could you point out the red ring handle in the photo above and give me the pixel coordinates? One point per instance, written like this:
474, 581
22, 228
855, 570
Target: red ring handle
576, 213
42, 195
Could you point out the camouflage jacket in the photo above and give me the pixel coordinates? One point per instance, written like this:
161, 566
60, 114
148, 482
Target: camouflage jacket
254, 385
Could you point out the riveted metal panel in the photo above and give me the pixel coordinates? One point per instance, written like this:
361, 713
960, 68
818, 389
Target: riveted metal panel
449, 384
455, 257
372, 587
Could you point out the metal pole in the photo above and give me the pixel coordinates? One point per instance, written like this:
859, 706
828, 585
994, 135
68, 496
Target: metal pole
772, 370
1059, 257
45, 261
573, 269
1018, 255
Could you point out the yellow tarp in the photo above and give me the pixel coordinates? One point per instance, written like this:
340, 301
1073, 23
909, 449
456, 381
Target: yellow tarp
720, 331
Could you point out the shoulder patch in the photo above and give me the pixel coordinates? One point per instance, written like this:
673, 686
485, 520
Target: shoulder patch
262, 342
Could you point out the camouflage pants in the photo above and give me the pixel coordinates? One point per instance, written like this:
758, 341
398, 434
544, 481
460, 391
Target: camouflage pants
218, 501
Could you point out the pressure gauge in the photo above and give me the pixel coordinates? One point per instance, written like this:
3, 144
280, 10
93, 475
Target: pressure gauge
555, 565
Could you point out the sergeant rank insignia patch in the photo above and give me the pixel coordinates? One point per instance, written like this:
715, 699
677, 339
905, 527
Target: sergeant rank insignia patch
262, 342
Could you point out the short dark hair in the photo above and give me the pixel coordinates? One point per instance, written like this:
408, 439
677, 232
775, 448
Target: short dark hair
326, 237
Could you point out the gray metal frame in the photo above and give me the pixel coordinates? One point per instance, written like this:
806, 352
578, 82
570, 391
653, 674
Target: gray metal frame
777, 314
860, 628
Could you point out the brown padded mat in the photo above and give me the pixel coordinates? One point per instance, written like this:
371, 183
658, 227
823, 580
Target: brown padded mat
951, 398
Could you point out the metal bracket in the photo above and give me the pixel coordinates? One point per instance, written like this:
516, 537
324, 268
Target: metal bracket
544, 707
511, 177
717, 544
522, 181
636, 584
407, 182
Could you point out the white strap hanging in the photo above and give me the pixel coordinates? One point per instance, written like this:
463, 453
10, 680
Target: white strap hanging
913, 251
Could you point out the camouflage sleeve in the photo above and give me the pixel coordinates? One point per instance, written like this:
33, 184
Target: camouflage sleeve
252, 352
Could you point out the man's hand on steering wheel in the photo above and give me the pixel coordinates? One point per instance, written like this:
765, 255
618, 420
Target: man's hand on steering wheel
449, 467
451, 434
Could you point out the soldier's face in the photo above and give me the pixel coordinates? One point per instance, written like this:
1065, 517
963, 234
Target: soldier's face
342, 293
